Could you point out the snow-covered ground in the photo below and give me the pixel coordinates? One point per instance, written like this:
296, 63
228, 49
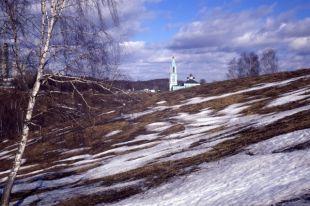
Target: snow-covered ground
261, 179
291, 97
261, 174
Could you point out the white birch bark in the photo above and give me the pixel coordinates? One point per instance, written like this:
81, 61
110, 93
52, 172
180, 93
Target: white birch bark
44, 48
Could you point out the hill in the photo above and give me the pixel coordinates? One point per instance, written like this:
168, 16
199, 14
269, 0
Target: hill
236, 142
157, 84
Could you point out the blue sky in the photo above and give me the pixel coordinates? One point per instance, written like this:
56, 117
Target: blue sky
179, 12
205, 35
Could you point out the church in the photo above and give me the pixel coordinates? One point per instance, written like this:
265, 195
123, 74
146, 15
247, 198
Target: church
173, 81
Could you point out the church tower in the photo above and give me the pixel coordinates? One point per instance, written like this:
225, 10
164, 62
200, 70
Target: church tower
173, 81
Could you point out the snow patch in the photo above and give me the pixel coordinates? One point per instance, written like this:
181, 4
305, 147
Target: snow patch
280, 142
290, 97
161, 102
158, 126
237, 180
110, 134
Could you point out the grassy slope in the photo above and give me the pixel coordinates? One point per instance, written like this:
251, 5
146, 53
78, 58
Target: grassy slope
47, 145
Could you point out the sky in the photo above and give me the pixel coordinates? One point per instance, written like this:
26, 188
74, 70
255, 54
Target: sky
204, 35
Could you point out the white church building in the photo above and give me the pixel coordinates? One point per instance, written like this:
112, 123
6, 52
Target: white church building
173, 81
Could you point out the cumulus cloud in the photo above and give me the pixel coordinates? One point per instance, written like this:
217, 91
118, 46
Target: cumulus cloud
227, 33
131, 14
143, 61
301, 45
205, 45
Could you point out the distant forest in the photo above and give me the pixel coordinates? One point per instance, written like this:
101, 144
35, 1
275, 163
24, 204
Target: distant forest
157, 84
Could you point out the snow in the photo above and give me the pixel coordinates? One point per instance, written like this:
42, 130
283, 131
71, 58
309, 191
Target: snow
66, 107
241, 179
78, 157
125, 149
197, 100
129, 157
54, 197
174, 146
76, 150
280, 142
185, 154
234, 109
161, 102
148, 111
109, 112
238, 180
21, 169
273, 117
110, 134
5, 153
158, 126
45, 184
231, 117
147, 137
290, 97
138, 114
133, 158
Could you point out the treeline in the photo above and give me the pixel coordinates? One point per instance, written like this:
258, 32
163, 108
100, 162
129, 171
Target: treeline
156, 84
249, 64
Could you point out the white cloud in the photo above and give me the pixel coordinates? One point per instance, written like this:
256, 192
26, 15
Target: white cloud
301, 43
204, 46
133, 46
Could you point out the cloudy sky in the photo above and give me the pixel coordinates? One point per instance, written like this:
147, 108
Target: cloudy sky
204, 35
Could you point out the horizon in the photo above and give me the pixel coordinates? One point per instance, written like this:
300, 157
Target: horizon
205, 35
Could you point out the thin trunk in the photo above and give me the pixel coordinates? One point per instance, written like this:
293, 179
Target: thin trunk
22, 144
27, 121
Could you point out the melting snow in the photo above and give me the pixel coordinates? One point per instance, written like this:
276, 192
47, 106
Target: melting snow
161, 102
109, 112
238, 180
55, 196
78, 157
75, 150
281, 142
113, 133
290, 97
197, 100
158, 126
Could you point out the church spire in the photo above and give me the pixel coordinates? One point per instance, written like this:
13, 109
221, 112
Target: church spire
173, 65
173, 81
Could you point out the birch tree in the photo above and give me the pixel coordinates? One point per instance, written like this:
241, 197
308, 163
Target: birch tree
269, 61
233, 69
68, 34
247, 65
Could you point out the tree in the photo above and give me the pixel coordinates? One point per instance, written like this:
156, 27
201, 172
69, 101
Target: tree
13, 24
269, 61
233, 69
202, 81
70, 34
247, 65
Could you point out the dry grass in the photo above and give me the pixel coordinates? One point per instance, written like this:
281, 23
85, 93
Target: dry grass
158, 173
173, 129
90, 129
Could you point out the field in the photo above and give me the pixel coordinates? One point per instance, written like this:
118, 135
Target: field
235, 142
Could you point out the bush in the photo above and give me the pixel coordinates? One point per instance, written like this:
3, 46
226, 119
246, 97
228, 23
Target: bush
11, 113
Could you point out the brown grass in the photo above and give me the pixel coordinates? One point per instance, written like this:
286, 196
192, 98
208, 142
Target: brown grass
173, 129
90, 130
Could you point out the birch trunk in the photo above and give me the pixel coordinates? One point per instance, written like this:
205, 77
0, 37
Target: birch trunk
31, 103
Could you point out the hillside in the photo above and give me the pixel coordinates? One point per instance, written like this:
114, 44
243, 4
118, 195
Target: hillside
157, 84
236, 142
